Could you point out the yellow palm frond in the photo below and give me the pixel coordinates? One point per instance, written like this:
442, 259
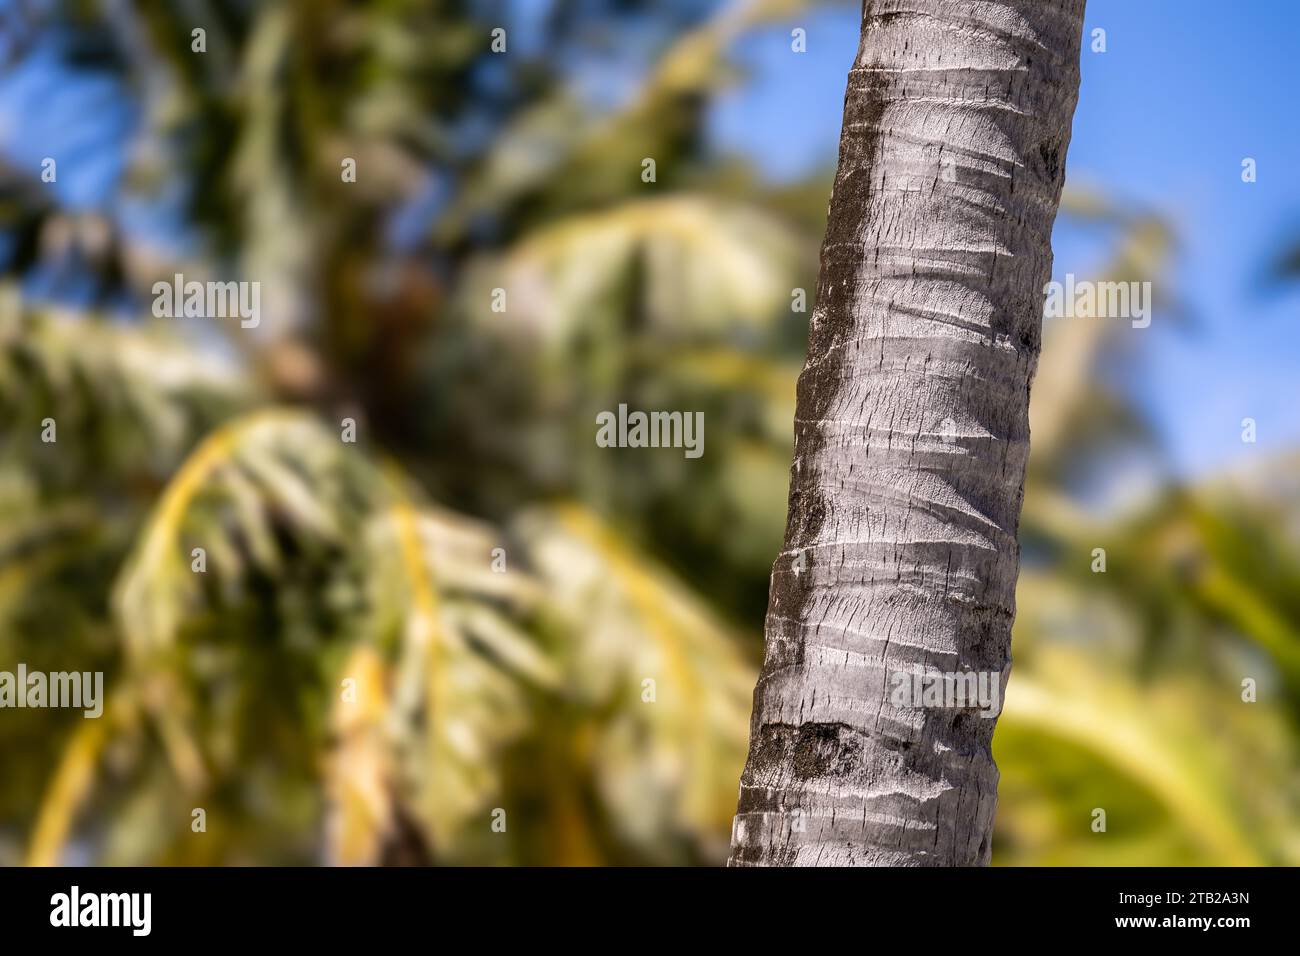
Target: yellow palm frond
641, 648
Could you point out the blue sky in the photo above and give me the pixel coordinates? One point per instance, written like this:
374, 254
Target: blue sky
1184, 91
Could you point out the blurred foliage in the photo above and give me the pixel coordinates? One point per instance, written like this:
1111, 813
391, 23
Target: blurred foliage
474, 615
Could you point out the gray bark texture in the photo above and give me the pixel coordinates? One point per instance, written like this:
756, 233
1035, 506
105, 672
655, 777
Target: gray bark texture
911, 437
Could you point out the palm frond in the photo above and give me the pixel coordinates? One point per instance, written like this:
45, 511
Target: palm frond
646, 652
703, 266
1144, 735
461, 666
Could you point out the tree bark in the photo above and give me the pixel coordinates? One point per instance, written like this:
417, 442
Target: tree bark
911, 437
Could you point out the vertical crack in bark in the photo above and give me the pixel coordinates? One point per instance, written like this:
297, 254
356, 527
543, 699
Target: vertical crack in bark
911, 437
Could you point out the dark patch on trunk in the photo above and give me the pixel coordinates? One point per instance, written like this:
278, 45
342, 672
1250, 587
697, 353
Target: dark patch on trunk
825, 750
812, 751
1050, 153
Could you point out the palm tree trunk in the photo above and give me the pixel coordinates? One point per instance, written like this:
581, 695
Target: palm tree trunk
911, 436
